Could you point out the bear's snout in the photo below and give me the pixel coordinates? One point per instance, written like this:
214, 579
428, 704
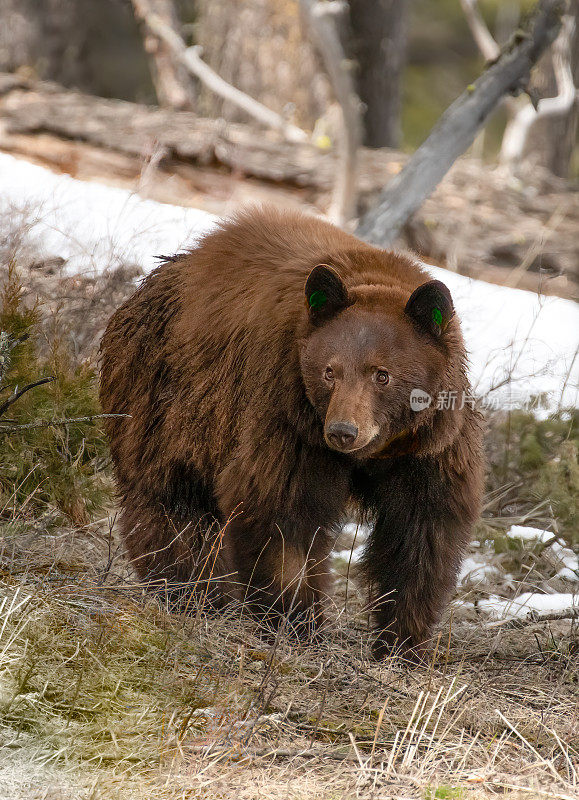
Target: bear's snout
341, 435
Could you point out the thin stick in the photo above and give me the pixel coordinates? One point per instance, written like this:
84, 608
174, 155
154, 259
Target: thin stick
544, 761
17, 393
53, 423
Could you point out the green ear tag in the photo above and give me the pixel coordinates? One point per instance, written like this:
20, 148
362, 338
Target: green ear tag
317, 299
437, 316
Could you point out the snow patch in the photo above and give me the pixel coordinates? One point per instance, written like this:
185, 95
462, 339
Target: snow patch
520, 344
520, 606
529, 534
96, 227
564, 556
473, 570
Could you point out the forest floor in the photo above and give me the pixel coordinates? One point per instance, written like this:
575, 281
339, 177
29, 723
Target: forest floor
105, 694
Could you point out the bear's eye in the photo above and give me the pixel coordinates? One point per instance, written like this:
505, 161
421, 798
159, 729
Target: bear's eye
381, 377
329, 374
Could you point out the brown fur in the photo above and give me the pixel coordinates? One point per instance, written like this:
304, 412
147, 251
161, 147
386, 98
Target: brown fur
225, 466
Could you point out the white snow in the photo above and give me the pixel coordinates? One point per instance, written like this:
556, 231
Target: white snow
529, 534
529, 601
520, 343
473, 570
564, 556
96, 227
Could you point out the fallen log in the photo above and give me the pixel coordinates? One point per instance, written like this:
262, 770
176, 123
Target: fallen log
134, 129
176, 157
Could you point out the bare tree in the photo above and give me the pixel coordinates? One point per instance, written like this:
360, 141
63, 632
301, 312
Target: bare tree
173, 84
325, 37
458, 126
519, 127
379, 46
556, 115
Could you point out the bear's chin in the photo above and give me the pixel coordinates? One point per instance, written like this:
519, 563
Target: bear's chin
360, 453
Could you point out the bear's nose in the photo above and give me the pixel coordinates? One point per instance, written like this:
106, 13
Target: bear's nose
342, 434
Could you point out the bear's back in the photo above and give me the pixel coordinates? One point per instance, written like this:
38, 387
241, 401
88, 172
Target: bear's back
251, 271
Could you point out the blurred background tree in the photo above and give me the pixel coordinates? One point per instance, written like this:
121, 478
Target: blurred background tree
379, 38
410, 59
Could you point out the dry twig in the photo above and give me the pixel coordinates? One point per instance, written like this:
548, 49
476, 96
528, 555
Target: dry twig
52, 423
17, 394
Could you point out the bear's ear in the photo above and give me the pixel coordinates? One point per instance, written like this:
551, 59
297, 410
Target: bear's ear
325, 293
431, 307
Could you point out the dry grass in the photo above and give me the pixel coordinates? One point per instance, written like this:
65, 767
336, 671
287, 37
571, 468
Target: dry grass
105, 694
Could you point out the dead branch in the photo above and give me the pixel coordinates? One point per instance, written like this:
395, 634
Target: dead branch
173, 84
487, 45
17, 393
458, 126
189, 57
534, 617
55, 423
517, 130
325, 38
480, 32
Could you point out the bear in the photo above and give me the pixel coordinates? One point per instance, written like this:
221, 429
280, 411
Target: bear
266, 378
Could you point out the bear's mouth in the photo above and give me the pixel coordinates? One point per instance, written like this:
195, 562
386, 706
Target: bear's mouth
402, 443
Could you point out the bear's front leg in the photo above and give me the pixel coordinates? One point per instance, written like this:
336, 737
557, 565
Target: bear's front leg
424, 512
279, 577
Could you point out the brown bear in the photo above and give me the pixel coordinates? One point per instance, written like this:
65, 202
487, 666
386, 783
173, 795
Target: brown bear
268, 376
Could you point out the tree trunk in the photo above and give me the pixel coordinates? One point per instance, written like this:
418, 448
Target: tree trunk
379, 45
91, 46
552, 140
266, 56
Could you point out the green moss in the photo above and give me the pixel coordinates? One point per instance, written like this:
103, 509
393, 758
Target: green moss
444, 793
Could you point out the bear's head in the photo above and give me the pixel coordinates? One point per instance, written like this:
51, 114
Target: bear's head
368, 353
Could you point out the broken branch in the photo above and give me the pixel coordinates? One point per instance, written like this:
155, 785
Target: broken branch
517, 131
457, 128
17, 393
189, 57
